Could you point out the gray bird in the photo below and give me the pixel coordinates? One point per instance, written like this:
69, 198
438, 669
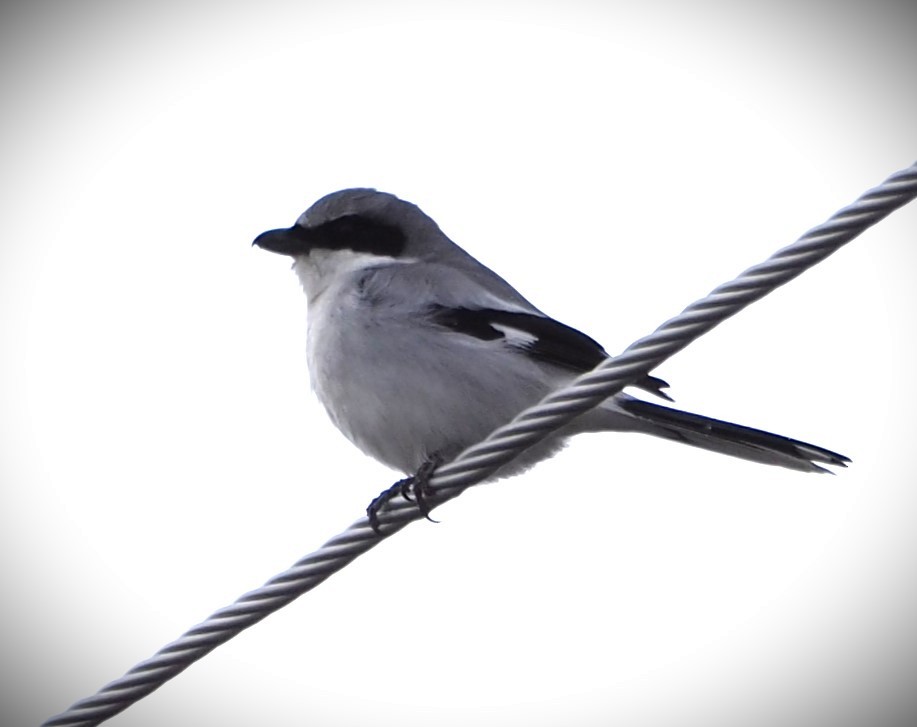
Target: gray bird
417, 350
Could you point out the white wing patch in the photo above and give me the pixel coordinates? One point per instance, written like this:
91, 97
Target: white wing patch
515, 336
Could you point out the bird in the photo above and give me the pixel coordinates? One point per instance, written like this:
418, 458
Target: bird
417, 350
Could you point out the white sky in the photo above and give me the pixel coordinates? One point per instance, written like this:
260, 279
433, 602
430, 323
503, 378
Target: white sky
161, 452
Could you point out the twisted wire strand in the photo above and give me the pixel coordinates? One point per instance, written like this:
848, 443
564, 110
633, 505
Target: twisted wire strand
485, 458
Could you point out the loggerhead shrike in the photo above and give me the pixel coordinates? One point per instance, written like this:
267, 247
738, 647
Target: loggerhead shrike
417, 350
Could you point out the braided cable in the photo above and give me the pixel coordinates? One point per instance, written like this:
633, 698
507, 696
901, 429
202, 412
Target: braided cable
482, 460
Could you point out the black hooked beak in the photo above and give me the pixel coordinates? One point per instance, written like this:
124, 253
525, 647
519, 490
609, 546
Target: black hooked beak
293, 240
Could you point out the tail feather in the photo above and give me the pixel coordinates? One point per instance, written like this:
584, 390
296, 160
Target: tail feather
732, 439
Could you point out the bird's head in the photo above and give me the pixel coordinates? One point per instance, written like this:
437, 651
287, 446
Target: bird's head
354, 229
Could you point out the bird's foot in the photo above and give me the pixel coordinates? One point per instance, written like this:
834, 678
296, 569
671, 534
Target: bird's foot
414, 489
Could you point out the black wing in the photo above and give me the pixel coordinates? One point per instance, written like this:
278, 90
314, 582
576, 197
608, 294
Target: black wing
537, 336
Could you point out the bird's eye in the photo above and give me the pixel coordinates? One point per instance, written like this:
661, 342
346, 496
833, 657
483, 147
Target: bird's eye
362, 234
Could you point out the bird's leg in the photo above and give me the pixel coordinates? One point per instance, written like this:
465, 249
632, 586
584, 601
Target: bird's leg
420, 485
416, 485
379, 501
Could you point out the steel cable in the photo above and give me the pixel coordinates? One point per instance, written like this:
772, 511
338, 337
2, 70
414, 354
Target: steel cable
484, 459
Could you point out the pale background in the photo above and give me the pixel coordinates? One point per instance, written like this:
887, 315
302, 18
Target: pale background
162, 453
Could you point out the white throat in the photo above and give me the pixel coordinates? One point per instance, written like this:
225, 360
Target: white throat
321, 269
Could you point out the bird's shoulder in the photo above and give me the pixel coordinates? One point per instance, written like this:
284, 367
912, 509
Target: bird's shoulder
416, 284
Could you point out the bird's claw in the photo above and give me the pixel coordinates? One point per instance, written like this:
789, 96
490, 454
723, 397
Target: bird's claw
413, 489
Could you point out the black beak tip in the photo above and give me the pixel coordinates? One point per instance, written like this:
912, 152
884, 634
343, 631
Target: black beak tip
262, 240
280, 241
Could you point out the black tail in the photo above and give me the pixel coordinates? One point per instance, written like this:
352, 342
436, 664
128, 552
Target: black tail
733, 439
